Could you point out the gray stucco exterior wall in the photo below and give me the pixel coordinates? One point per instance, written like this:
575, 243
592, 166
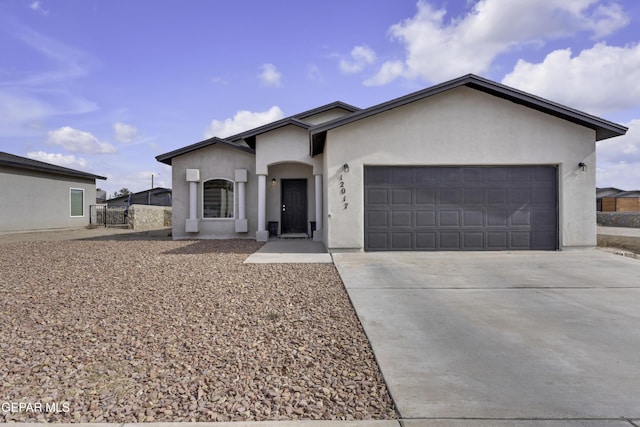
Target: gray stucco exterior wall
32, 200
459, 127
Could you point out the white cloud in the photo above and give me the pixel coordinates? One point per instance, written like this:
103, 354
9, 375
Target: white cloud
601, 79
124, 132
241, 121
361, 56
437, 49
314, 74
36, 6
75, 140
68, 161
619, 160
270, 76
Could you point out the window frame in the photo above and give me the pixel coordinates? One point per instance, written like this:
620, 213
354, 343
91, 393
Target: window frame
71, 191
233, 200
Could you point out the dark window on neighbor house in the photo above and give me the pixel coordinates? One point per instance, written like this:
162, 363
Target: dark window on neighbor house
217, 199
77, 201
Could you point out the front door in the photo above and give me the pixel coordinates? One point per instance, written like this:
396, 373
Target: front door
294, 206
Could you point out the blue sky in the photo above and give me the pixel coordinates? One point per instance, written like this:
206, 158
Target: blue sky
106, 85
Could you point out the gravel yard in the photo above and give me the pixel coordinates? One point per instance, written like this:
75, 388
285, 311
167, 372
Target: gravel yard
160, 330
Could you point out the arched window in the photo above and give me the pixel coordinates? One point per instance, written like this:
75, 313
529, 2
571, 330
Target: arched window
217, 199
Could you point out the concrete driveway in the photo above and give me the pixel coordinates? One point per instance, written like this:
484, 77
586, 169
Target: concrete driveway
522, 337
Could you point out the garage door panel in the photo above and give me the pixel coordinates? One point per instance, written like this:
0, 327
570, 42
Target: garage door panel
521, 175
425, 176
376, 219
473, 240
520, 196
542, 239
497, 218
473, 219
401, 218
472, 176
497, 196
425, 196
497, 174
400, 196
543, 196
544, 219
449, 241
449, 196
425, 218
473, 196
376, 176
449, 219
400, 176
461, 208
497, 240
377, 241
376, 196
520, 240
545, 174
521, 218
426, 241
401, 241
448, 176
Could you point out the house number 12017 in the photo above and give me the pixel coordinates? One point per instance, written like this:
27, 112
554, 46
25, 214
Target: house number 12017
343, 192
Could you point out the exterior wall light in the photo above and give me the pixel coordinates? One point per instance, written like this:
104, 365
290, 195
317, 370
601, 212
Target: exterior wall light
274, 182
582, 166
345, 167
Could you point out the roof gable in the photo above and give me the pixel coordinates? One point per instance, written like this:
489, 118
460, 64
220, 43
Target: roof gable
19, 162
166, 157
604, 128
249, 136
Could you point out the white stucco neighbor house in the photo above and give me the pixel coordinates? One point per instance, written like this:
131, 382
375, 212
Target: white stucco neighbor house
469, 164
36, 195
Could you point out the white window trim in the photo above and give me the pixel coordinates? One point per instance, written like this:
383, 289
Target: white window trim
70, 207
202, 200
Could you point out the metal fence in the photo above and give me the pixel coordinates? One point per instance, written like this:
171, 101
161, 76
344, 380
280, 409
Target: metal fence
102, 215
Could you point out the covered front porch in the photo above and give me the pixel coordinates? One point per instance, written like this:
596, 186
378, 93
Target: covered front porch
289, 202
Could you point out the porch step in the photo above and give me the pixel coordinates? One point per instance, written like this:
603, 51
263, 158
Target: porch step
294, 236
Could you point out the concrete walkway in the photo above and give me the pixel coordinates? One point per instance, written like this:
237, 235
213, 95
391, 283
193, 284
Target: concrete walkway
282, 251
503, 339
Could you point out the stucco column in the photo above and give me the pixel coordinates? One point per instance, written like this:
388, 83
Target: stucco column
242, 210
262, 235
193, 200
241, 222
191, 223
317, 235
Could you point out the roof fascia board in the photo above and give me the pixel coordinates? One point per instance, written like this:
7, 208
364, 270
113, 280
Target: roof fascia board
52, 169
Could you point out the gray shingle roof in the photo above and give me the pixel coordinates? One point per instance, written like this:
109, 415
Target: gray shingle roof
19, 162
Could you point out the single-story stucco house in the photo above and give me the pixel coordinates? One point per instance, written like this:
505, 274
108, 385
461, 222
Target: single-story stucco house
36, 195
469, 164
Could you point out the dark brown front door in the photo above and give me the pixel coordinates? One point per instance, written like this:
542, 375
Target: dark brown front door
294, 206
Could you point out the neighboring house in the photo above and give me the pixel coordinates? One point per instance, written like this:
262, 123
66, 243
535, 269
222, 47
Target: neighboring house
36, 195
157, 196
101, 196
469, 164
618, 201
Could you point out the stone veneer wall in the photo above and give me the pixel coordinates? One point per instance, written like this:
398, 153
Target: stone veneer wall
619, 219
143, 217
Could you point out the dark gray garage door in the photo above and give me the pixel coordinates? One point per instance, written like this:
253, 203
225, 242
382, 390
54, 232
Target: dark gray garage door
460, 208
